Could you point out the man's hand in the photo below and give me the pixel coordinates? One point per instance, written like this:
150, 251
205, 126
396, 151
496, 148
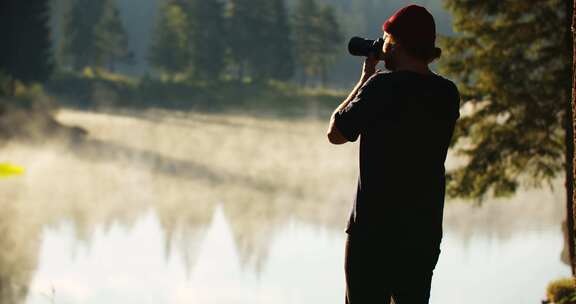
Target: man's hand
369, 67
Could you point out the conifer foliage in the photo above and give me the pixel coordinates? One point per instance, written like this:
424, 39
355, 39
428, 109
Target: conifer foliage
205, 30
317, 38
259, 39
169, 51
26, 52
245, 39
111, 38
513, 62
508, 59
94, 35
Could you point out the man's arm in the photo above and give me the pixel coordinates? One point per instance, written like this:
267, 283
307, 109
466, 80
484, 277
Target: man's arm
369, 68
334, 135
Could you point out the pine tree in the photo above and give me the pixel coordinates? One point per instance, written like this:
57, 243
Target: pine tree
26, 52
205, 37
170, 50
245, 25
80, 48
278, 58
317, 38
512, 61
111, 40
306, 26
331, 37
511, 72
238, 33
260, 39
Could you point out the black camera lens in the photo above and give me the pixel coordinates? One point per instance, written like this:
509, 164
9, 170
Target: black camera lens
359, 46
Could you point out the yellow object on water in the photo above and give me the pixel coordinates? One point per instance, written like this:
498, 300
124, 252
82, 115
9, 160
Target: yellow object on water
7, 170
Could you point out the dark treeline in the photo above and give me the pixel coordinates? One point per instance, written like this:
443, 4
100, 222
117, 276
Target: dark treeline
94, 35
26, 60
354, 17
209, 40
26, 53
302, 41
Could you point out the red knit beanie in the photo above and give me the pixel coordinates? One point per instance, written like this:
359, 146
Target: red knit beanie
413, 26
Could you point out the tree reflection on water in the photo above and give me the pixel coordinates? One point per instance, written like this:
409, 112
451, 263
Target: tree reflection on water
262, 173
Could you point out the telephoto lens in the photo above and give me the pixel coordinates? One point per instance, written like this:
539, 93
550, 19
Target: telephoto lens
359, 46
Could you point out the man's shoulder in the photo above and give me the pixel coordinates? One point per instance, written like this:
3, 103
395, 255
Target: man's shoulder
381, 76
399, 81
377, 81
451, 87
449, 83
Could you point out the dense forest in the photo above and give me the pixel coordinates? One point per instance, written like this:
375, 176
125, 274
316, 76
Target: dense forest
144, 25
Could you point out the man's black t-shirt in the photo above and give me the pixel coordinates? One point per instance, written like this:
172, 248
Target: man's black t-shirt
405, 121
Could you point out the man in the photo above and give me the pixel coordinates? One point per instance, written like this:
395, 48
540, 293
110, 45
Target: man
405, 119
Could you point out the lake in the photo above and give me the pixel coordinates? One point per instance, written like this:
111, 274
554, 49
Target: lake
175, 207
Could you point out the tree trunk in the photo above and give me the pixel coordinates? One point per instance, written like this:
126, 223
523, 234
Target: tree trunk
569, 182
570, 160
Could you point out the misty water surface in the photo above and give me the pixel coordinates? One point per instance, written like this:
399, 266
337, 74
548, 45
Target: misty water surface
171, 207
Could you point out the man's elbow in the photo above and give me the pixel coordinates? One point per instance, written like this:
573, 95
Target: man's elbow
336, 138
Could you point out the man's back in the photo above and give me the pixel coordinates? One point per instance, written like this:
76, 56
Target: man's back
405, 121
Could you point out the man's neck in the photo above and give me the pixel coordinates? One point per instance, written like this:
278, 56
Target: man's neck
413, 66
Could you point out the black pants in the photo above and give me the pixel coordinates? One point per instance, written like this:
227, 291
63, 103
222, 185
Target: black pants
378, 269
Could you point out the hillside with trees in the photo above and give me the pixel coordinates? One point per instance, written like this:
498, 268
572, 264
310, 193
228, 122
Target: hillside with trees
354, 17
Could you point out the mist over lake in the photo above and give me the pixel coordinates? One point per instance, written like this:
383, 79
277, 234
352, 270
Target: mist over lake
180, 207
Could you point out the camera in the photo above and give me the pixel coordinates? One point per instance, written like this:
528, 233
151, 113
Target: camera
359, 46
